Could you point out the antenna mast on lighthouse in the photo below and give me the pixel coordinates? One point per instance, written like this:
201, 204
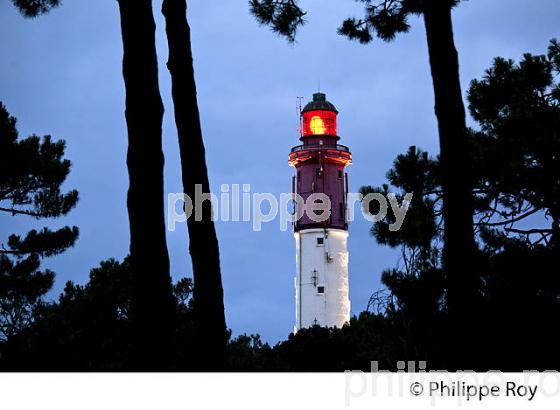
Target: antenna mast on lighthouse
298, 107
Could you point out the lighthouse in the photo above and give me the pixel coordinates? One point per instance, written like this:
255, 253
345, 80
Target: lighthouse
321, 281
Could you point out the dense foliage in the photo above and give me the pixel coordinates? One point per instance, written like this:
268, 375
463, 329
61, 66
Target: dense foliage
33, 8
32, 171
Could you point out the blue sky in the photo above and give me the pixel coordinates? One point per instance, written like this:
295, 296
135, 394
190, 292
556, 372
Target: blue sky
60, 74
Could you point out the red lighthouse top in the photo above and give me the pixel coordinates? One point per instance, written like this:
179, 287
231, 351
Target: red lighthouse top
320, 162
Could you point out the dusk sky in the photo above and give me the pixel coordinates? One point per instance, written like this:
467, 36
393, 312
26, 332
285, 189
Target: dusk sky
60, 74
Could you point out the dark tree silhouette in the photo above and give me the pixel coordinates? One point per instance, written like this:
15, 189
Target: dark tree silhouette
515, 154
151, 309
284, 16
365, 339
32, 171
203, 242
517, 149
86, 329
413, 299
518, 295
89, 327
33, 8
386, 18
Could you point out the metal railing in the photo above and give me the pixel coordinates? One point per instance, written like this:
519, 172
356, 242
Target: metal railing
316, 147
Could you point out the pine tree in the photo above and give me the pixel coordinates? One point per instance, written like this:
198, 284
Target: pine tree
32, 171
516, 154
517, 148
203, 242
152, 302
386, 18
283, 16
34, 8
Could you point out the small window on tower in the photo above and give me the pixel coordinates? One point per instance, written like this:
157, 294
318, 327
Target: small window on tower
341, 209
320, 241
320, 289
318, 171
340, 174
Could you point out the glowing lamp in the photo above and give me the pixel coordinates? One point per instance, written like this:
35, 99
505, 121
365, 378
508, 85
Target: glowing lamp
319, 123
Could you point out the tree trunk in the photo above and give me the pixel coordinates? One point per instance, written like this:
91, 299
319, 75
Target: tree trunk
203, 245
459, 245
151, 303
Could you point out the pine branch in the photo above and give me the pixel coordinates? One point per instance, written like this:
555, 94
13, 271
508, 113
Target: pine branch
510, 221
529, 231
14, 212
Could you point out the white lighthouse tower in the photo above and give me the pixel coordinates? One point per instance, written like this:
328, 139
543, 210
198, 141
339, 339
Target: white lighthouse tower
321, 280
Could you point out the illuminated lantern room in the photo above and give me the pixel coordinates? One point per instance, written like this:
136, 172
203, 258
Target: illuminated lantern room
319, 117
